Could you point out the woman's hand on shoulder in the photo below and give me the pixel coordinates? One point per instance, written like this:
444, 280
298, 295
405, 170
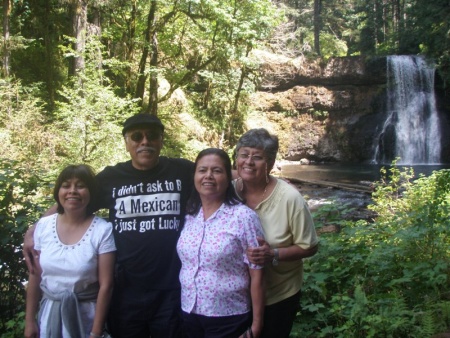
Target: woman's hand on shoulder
261, 254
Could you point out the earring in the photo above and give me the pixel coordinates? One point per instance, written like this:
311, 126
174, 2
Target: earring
267, 176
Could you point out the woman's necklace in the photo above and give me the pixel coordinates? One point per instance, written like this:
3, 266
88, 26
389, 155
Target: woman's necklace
265, 189
242, 189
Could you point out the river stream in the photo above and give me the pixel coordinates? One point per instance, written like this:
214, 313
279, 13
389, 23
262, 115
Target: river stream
349, 184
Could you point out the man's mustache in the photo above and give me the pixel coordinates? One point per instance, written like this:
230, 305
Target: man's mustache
147, 149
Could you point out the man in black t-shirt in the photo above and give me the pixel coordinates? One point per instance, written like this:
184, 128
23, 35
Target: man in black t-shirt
146, 198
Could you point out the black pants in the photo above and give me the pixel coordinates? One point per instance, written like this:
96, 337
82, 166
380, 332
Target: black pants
279, 317
198, 326
155, 313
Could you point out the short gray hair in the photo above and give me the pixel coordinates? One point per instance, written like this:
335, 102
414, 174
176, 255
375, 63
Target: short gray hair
260, 138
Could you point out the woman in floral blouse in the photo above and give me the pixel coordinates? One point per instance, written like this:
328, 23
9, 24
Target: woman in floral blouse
221, 292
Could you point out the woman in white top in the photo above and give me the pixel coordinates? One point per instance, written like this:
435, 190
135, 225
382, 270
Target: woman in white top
76, 254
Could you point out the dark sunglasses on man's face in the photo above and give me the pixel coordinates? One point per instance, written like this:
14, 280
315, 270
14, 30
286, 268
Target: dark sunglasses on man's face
150, 135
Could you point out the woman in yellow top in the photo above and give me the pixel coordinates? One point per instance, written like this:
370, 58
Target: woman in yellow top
288, 229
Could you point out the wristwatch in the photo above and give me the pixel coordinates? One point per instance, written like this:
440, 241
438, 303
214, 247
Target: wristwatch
276, 257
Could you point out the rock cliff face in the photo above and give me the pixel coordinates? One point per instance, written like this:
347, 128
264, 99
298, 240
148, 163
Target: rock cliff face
323, 112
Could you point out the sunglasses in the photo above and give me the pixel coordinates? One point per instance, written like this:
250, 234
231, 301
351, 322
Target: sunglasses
137, 136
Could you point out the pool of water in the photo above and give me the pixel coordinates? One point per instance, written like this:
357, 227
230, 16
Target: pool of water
348, 184
347, 173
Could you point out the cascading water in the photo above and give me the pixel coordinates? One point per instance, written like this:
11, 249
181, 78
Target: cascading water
411, 130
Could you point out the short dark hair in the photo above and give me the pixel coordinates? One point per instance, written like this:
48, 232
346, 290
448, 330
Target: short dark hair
260, 138
231, 198
84, 173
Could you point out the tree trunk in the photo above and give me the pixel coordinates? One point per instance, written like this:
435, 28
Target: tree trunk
6, 52
130, 45
153, 84
317, 25
95, 29
375, 25
237, 97
150, 40
50, 57
79, 25
396, 22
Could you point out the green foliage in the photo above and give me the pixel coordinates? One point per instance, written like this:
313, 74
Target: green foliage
93, 133
319, 115
23, 133
18, 209
389, 278
84, 128
15, 327
88, 115
389, 189
331, 46
211, 58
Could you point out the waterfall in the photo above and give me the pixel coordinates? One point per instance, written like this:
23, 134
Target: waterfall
411, 129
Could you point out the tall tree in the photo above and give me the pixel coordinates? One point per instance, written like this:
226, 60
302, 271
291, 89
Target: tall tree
150, 47
184, 39
78, 9
6, 51
317, 25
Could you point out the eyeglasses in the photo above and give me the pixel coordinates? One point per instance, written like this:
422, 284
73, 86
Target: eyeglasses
254, 158
137, 136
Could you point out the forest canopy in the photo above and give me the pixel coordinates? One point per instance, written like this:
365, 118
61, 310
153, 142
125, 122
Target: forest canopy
79, 68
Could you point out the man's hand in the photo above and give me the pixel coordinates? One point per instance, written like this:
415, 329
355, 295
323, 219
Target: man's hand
30, 255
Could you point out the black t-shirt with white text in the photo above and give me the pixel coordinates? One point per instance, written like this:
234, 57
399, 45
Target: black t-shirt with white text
147, 209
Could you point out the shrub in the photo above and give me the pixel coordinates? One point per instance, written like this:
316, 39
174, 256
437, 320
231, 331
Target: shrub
389, 278
18, 200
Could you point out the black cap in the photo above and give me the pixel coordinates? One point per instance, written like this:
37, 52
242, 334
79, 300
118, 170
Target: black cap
141, 120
